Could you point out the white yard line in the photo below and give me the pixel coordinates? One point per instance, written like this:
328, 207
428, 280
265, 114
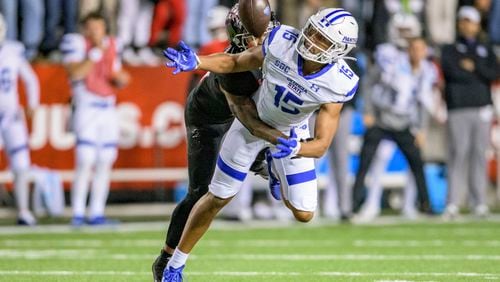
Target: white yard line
275, 243
97, 254
396, 225
253, 273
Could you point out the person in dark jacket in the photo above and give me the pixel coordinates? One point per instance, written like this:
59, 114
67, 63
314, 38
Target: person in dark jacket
469, 68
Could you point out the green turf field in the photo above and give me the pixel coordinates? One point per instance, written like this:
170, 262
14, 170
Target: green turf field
234, 252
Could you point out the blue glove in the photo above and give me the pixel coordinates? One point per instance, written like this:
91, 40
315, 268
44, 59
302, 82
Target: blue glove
182, 60
287, 146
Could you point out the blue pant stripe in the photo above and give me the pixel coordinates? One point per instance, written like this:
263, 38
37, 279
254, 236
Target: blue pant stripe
230, 171
85, 142
301, 177
17, 149
110, 145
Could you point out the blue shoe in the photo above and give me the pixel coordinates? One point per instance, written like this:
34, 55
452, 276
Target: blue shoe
274, 182
101, 220
171, 274
77, 221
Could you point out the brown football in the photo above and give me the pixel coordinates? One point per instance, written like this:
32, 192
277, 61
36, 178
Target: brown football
255, 15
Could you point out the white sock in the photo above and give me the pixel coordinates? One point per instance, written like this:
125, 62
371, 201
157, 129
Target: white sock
178, 259
21, 190
80, 189
100, 190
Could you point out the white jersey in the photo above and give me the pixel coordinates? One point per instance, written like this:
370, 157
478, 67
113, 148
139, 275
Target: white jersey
12, 65
397, 77
287, 97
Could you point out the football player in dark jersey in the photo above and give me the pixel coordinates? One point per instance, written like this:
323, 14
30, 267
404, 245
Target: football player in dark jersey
210, 110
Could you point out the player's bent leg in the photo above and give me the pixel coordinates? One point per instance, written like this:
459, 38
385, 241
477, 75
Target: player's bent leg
226, 182
201, 162
200, 218
235, 158
198, 223
299, 186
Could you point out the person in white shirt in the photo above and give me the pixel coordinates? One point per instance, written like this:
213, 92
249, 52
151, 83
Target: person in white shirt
95, 70
13, 131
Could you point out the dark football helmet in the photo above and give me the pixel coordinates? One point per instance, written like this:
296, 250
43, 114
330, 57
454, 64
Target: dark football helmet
238, 34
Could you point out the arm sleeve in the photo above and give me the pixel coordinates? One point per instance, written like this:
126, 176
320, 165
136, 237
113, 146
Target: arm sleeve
73, 48
31, 83
488, 67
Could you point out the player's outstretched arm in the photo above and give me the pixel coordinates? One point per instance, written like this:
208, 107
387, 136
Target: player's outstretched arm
245, 110
185, 59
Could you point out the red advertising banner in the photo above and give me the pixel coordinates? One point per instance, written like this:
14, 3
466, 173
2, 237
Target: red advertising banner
151, 120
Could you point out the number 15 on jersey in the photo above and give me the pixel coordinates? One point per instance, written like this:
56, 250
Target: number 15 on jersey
286, 100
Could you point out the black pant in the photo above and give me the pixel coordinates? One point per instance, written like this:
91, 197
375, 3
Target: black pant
406, 142
203, 142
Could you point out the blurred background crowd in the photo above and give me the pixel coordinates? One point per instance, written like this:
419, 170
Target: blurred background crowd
143, 24
450, 47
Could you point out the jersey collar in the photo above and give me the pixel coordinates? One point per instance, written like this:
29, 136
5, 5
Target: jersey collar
300, 63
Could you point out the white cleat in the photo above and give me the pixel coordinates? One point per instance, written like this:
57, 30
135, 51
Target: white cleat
366, 215
482, 211
451, 213
410, 214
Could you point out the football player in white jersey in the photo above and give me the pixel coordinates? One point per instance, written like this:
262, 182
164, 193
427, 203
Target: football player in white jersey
13, 130
94, 67
304, 71
401, 97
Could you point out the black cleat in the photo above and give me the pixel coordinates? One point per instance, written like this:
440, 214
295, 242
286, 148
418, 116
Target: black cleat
159, 265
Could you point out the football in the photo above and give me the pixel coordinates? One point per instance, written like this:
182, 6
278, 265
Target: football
255, 15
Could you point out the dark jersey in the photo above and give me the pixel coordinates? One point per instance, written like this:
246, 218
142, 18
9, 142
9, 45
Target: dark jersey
206, 104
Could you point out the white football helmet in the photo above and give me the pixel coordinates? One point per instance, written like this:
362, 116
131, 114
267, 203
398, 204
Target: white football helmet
3, 29
401, 27
328, 36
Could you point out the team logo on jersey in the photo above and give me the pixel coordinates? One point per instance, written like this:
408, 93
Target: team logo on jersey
296, 87
282, 66
314, 87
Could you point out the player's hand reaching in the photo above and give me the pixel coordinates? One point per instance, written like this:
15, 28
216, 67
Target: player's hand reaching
287, 146
183, 59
